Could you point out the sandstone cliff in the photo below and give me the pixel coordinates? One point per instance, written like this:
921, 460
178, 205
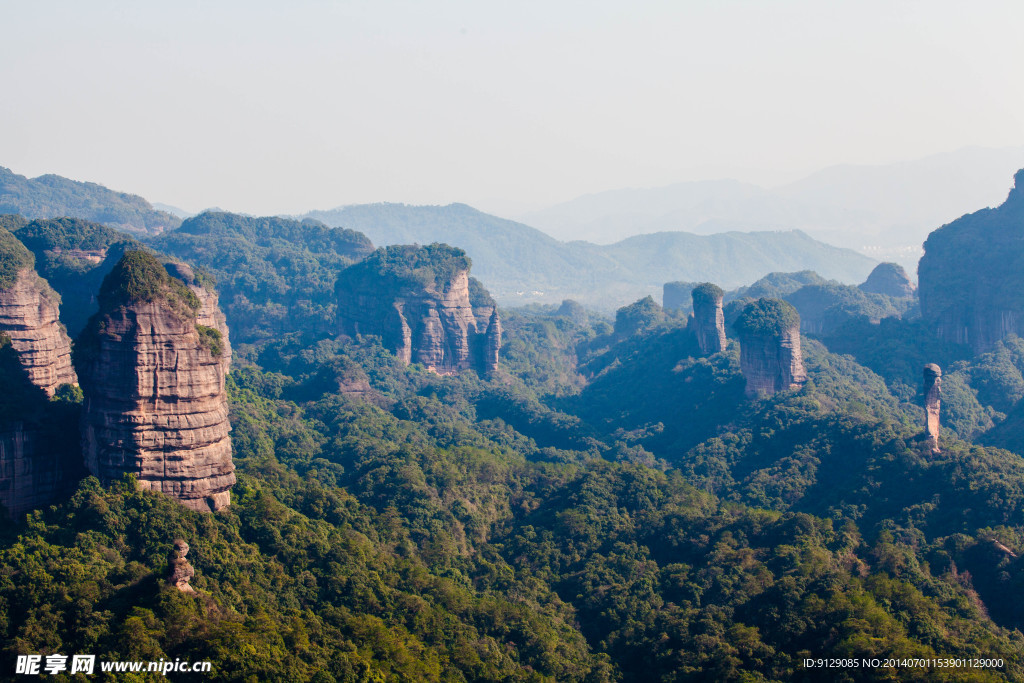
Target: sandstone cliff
932, 394
889, 279
38, 464
417, 299
971, 277
74, 256
708, 320
770, 357
155, 403
29, 317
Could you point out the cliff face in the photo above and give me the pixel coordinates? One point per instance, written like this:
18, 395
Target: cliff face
419, 304
932, 394
889, 279
971, 277
708, 321
155, 403
36, 468
492, 344
770, 356
30, 318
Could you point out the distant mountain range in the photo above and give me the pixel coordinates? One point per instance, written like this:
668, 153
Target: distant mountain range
520, 264
884, 211
52, 196
517, 263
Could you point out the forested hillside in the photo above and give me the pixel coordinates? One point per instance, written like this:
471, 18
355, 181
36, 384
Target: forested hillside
607, 506
51, 196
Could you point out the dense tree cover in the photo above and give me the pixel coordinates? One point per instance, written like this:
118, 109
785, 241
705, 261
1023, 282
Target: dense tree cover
408, 266
607, 507
274, 275
777, 285
51, 196
138, 277
637, 316
74, 256
828, 306
14, 257
770, 317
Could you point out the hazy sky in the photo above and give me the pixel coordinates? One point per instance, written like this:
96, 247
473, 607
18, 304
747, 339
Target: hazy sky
288, 106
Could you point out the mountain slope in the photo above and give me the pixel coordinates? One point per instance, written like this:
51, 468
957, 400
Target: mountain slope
883, 210
520, 264
52, 196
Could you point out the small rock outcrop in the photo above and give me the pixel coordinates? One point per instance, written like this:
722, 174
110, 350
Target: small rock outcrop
770, 357
418, 301
30, 318
889, 279
971, 283
180, 571
932, 395
708, 321
155, 400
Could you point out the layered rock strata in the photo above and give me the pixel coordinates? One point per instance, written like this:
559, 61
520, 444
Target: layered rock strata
708, 321
770, 357
932, 395
30, 318
209, 313
417, 300
155, 400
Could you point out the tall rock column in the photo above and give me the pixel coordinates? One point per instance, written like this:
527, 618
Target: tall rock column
932, 393
708, 321
770, 357
155, 402
492, 344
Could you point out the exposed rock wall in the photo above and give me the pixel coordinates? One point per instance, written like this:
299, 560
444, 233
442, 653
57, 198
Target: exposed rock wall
971, 283
433, 323
29, 316
492, 344
770, 356
932, 394
155, 402
708, 321
35, 468
209, 313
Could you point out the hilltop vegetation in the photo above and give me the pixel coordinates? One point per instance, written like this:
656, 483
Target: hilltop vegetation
274, 275
51, 196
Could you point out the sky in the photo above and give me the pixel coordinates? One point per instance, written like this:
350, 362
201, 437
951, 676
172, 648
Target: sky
284, 107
